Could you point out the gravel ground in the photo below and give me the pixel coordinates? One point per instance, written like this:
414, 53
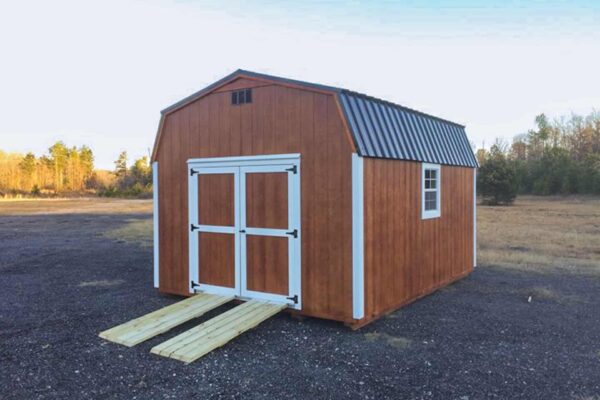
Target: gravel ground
62, 281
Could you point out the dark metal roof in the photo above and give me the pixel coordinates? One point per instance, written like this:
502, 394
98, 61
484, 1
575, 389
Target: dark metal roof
382, 129
385, 130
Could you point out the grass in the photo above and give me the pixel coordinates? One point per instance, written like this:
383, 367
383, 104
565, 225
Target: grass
398, 342
538, 233
92, 205
134, 231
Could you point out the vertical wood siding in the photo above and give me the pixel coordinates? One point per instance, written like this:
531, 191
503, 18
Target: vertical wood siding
407, 257
279, 120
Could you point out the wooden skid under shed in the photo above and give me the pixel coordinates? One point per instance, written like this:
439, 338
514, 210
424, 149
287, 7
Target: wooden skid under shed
160, 321
216, 332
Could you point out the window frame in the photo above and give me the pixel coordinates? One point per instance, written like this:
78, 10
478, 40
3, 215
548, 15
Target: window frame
428, 214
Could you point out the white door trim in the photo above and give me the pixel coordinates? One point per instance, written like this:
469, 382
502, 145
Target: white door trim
254, 164
246, 160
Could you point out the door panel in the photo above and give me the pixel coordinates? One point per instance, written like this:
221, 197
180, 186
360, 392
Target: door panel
270, 239
216, 204
216, 259
267, 200
214, 230
267, 264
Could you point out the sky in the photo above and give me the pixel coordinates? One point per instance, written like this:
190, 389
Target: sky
98, 73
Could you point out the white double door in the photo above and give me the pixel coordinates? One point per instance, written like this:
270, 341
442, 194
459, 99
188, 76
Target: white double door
245, 227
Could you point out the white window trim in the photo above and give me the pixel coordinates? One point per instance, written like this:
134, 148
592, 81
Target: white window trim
427, 214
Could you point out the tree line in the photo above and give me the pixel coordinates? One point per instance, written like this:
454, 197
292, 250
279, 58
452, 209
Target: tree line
65, 170
557, 157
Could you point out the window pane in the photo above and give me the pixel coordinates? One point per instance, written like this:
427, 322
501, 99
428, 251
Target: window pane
432, 183
427, 173
241, 96
248, 95
234, 98
427, 184
430, 200
433, 174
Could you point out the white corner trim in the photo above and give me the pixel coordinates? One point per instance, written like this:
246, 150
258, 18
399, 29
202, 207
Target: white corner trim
474, 217
431, 213
358, 261
155, 219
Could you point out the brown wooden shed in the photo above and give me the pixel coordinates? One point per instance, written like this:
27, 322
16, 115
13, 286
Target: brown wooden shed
341, 205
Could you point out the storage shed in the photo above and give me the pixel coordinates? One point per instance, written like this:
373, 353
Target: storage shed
341, 205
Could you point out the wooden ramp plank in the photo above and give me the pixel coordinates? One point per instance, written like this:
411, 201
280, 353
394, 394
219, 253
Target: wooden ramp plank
164, 319
214, 333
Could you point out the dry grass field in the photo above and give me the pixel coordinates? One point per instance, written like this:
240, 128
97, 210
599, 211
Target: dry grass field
91, 205
538, 233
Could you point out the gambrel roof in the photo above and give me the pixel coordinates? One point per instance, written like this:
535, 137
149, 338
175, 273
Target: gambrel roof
379, 128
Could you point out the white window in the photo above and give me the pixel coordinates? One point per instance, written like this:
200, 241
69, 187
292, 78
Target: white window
431, 187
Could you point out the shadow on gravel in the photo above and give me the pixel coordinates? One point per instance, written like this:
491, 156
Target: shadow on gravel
498, 333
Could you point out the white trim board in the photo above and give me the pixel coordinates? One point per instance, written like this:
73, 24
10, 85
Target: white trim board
155, 220
358, 267
474, 217
244, 160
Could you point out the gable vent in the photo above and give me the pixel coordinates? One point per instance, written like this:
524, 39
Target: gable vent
241, 96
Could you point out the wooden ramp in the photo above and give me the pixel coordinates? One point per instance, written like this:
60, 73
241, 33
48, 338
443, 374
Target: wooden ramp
214, 333
160, 321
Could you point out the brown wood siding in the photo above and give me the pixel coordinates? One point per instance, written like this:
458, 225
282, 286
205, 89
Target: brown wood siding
241, 83
279, 120
407, 257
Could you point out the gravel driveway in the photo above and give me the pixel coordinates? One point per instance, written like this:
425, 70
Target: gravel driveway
62, 281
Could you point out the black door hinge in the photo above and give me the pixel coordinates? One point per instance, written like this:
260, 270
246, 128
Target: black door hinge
294, 298
293, 233
193, 227
193, 171
293, 170
194, 284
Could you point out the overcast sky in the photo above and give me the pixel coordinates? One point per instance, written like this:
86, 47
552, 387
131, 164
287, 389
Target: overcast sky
98, 73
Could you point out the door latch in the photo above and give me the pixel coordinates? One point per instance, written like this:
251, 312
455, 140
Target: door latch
294, 298
293, 233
